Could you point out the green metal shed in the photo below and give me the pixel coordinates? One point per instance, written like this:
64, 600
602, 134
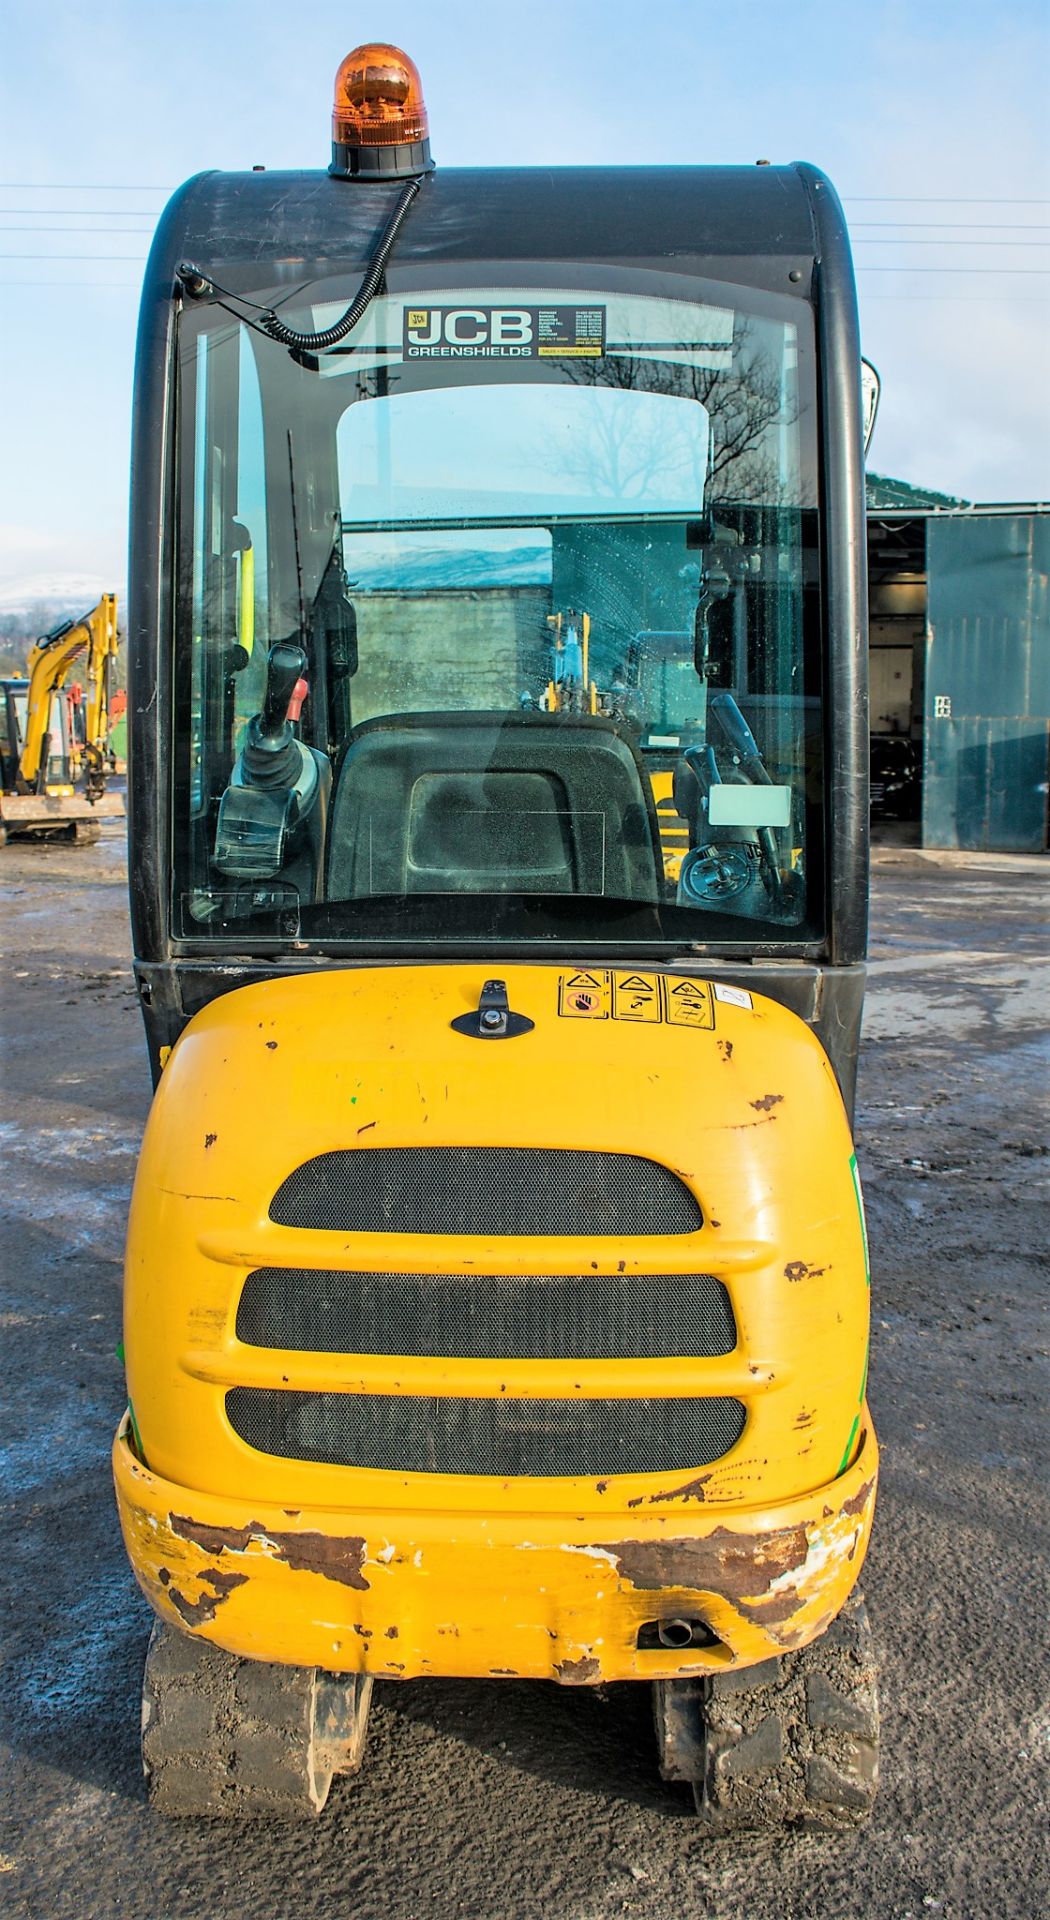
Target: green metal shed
982, 683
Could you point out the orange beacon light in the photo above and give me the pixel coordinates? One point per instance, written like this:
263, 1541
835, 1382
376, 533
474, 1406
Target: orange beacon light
379, 120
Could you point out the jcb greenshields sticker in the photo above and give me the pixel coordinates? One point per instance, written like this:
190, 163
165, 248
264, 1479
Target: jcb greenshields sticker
504, 333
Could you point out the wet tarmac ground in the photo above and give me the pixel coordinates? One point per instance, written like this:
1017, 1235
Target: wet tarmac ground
513, 1801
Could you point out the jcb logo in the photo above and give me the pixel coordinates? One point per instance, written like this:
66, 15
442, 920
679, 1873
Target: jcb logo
466, 331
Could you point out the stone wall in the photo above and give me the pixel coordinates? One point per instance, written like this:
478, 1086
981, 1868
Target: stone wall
452, 649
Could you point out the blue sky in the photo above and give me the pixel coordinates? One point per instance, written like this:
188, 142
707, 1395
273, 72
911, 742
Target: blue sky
931, 118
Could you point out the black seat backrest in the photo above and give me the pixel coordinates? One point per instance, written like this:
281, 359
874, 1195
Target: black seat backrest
491, 803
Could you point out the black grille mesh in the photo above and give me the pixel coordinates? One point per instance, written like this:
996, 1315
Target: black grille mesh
502, 1437
485, 1190
488, 1316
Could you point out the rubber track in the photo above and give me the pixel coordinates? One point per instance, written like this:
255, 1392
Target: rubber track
238, 1738
796, 1741
791, 1742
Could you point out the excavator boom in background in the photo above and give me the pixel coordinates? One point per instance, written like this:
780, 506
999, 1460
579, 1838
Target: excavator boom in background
52, 771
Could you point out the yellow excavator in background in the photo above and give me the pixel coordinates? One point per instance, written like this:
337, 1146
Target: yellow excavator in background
644, 693
51, 780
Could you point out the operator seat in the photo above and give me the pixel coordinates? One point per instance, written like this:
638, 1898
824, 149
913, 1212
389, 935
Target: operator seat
488, 803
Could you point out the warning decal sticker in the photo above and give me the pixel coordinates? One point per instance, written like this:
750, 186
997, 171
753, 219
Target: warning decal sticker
636, 996
504, 333
689, 1003
583, 996
642, 999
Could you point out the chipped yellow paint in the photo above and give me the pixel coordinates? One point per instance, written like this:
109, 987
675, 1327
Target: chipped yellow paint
537, 1595
745, 1111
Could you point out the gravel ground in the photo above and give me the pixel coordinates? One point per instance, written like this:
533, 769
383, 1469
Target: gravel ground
513, 1801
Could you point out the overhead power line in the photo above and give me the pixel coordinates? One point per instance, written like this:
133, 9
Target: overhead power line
998, 271
125, 232
119, 213
1021, 246
98, 259
964, 300
76, 186
853, 199
94, 259
968, 226
889, 241
930, 200
29, 222
25, 226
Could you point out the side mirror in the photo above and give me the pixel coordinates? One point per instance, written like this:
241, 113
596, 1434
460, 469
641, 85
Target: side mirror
870, 389
711, 639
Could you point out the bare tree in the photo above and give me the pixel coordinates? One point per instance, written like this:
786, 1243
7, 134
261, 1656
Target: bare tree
745, 406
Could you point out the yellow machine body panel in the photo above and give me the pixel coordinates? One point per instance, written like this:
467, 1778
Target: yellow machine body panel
551, 1575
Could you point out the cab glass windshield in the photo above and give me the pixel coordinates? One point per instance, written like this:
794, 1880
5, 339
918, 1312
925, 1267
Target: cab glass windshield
499, 622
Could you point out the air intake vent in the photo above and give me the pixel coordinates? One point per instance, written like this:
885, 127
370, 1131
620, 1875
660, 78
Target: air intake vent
485, 1190
507, 1438
488, 1316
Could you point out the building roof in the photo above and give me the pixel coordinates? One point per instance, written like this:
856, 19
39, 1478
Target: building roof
889, 495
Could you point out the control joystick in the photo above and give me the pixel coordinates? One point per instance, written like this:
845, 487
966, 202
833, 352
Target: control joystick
272, 815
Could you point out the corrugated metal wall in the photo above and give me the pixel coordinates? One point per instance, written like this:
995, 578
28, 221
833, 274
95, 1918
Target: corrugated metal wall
987, 720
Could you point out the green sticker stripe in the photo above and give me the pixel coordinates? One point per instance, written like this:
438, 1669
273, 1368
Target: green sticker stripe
860, 1210
844, 1462
135, 1434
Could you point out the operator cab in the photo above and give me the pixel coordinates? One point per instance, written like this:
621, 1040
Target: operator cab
505, 616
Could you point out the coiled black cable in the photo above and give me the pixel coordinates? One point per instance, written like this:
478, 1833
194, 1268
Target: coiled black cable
317, 342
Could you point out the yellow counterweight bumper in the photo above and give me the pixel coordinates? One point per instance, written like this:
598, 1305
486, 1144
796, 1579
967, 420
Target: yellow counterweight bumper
543, 1596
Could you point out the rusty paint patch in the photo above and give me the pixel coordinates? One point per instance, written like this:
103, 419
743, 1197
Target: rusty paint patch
801, 1270
197, 1613
577, 1673
736, 1565
725, 1048
332, 1556
764, 1576
271, 1046
391, 1633
209, 1140
693, 1490
767, 1101
851, 1508
213, 1539
504, 1673
804, 1418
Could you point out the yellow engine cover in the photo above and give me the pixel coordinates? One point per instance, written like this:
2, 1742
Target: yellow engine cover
397, 1570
